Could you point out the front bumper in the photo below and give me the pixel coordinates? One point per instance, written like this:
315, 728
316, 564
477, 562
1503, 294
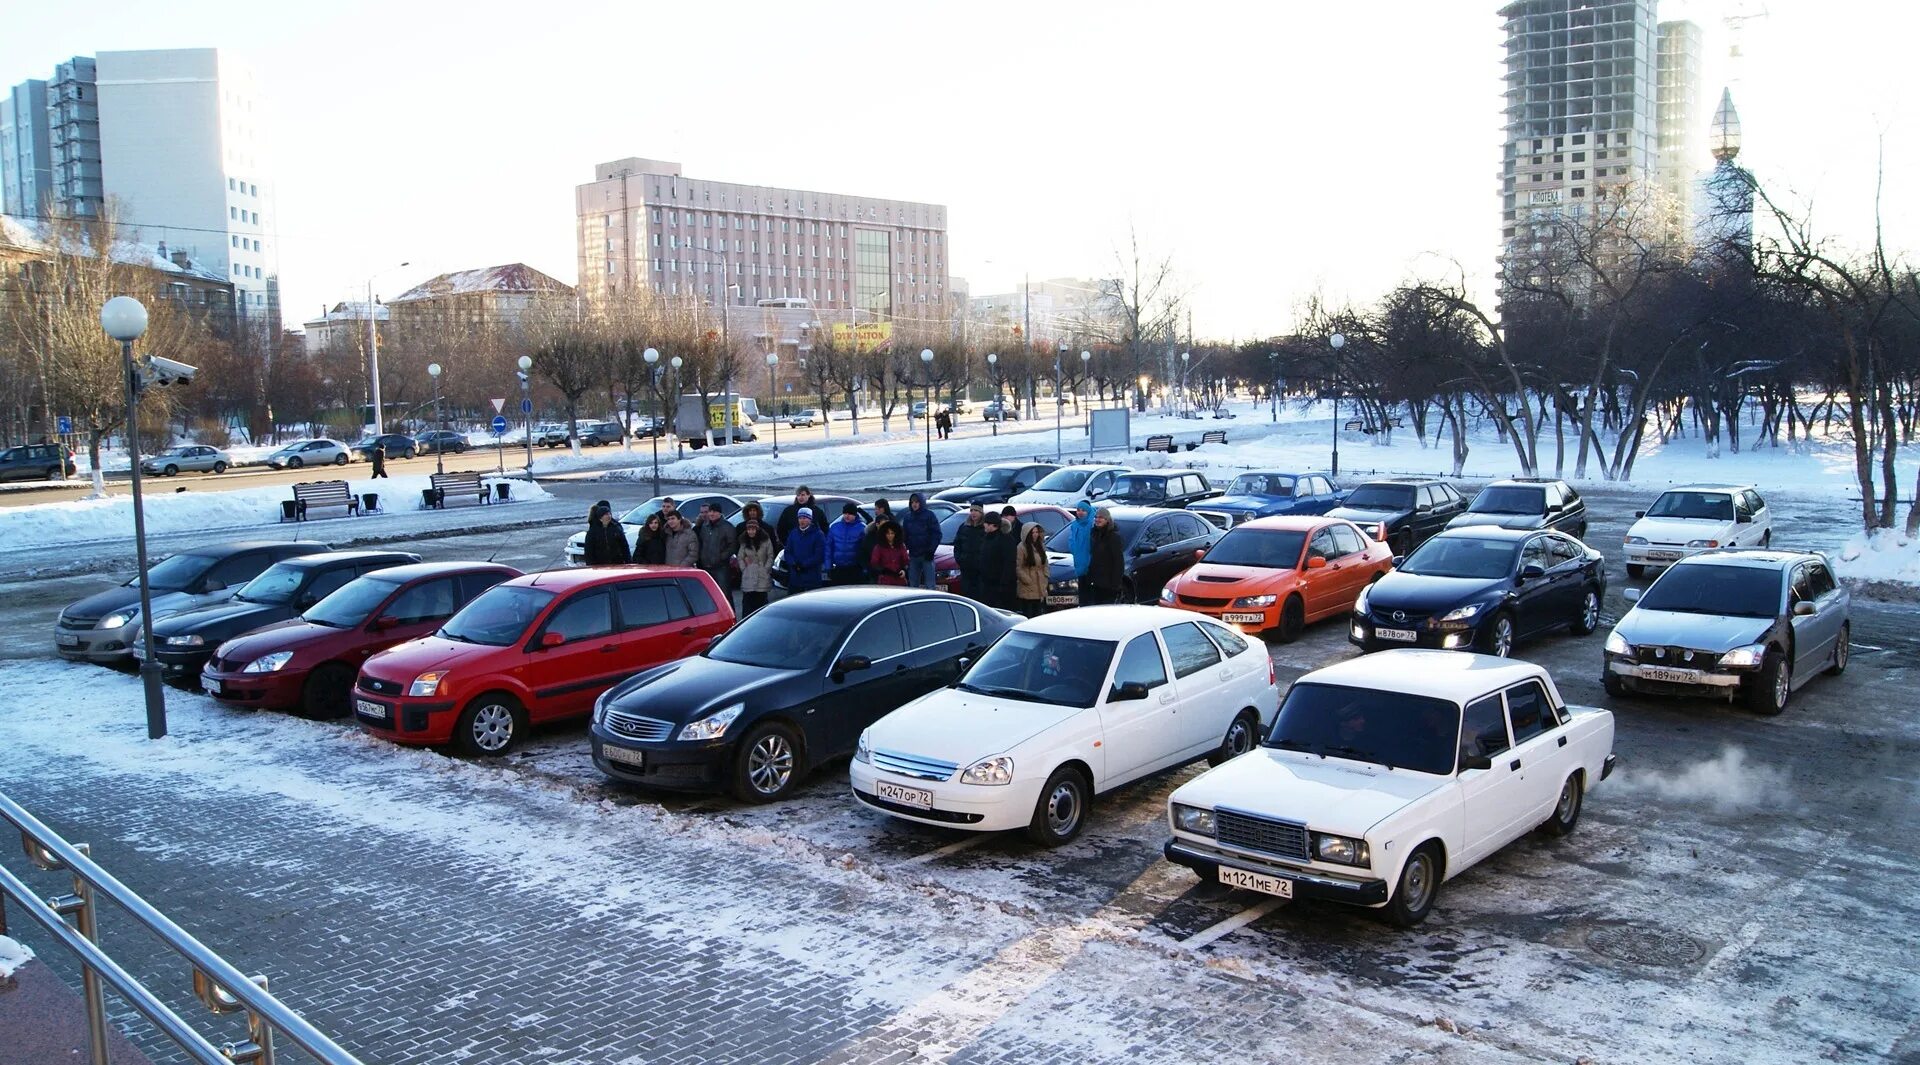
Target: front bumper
175, 663
1246, 619
1656, 556
109, 646
1361, 632
1657, 680
674, 766
975, 807
1206, 861
403, 719
281, 690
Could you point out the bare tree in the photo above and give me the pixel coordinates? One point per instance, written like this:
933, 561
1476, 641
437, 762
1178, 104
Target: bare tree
1137, 307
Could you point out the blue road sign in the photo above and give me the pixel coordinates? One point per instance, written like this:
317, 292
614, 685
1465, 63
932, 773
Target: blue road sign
526, 406
499, 424
66, 425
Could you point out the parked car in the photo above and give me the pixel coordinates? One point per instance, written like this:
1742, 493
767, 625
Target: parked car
1386, 776
1069, 484
550, 434
946, 573
1410, 509
1175, 489
441, 441
1527, 503
1064, 708
103, 626
789, 689
36, 462
806, 419
1753, 623
1484, 588
1158, 544
398, 445
1266, 493
1000, 410
646, 425
183, 643
997, 483
187, 458
535, 649
315, 452
632, 520
309, 663
1280, 574
596, 433
1693, 518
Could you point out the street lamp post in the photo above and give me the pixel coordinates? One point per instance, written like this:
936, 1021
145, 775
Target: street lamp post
676, 362
373, 355
439, 421
1059, 402
125, 320
526, 406
1186, 385
926, 360
1273, 397
652, 358
1336, 341
993, 371
773, 397
1086, 363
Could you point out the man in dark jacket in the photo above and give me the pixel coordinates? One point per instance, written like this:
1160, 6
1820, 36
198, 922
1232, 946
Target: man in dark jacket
997, 576
802, 500
717, 542
606, 538
378, 456
1107, 572
966, 553
1010, 522
806, 553
920, 531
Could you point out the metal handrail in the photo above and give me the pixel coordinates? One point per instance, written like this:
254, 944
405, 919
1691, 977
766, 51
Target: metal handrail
219, 986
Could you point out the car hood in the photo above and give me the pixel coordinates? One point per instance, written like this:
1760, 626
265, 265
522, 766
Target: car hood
691, 688
1363, 515
1202, 577
1243, 503
222, 620
1706, 632
289, 635
1680, 530
1422, 594
408, 660
1504, 521
1328, 794
960, 727
100, 604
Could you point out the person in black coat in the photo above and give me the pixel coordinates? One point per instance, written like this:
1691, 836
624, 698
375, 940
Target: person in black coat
789, 518
997, 559
652, 548
966, 553
378, 456
606, 538
1106, 574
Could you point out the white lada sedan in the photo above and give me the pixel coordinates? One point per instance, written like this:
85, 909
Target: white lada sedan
1387, 775
1062, 708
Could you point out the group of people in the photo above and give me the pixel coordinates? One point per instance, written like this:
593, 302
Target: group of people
1002, 561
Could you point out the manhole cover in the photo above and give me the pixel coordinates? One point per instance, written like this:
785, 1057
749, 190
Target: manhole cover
1645, 945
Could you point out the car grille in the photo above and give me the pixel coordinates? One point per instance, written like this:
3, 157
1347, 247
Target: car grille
379, 686
913, 765
1401, 619
1280, 838
1675, 657
635, 727
77, 624
1195, 600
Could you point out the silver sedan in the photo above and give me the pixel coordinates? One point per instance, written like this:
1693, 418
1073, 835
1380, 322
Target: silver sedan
316, 452
187, 458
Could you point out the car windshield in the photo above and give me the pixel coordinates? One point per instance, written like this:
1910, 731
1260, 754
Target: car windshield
498, 616
1509, 499
1393, 729
1264, 548
1381, 497
950, 525
276, 585
1066, 480
295, 446
1458, 556
1260, 484
1040, 667
991, 477
1707, 506
1145, 488
352, 603
776, 638
1063, 540
175, 572
1740, 591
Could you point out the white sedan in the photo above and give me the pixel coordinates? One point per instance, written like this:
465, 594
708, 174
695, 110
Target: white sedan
1387, 775
1062, 708
1694, 518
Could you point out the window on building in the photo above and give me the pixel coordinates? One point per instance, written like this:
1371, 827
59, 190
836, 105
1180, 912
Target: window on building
253, 190
256, 218
236, 242
656, 210
656, 240
233, 213
231, 184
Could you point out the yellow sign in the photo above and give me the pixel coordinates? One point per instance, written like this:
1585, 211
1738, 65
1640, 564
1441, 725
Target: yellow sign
862, 337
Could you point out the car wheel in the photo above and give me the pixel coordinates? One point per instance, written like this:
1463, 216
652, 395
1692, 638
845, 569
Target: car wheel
1636, 571
1566, 809
1062, 810
219, 467
767, 766
1614, 685
1588, 619
1293, 620
1842, 650
490, 725
1240, 738
407, 454
340, 459
1498, 640
328, 693
171, 470
1767, 690
53, 473
296, 462
1417, 888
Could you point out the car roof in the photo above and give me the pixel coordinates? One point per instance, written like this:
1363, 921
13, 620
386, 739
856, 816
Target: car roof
228, 550
329, 558
419, 570
1400, 481
1105, 622
1488, 532
1018, 465
863, 599
1529, 481
1709, 486
1460, 676
1126, 513
1291, 522
1751, 558
1278, 473
566, 580
1095, 466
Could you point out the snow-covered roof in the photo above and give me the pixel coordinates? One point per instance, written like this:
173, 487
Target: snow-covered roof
513, 278
32, 235
1455, 675
349, 312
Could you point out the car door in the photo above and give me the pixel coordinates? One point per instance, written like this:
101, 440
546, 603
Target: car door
1244, 676
1151, 556
1430, 513
1814, 634
1099, 484
1320, 496
411, 612
1540, 749
1493, 799
565, 678
653, 623
1567, 570
1318, 589
1753, 531
934, 646
1533, 598
857, 698
1132, 730
1349, 569
1200, 716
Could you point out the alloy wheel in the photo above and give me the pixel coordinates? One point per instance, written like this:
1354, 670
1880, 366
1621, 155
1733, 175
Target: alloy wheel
1502, 637
1782, 684
493, 728
1590, 612
770, 764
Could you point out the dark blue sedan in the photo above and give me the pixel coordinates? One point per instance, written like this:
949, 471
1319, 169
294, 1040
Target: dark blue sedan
1265, 493
1482, 589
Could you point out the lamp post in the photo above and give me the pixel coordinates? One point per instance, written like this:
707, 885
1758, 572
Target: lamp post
676, 362
993, 371
526, 406
439, 421
1336, 342
1060, 356
125, 320
373, 355
926, 360
1086, 364
1273, 397
652, 358
773, 397
1186, 386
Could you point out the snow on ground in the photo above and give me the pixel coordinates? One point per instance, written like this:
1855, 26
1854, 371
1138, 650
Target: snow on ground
13, 954
1882, 555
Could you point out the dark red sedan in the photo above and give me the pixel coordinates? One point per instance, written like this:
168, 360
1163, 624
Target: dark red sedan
946, 575
309, 662
535, 649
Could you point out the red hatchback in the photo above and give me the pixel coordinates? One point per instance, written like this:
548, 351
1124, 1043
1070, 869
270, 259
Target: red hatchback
310, 661
536, 649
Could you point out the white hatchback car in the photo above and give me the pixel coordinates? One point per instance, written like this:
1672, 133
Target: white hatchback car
1694, 518
1387, 775
1062, 708
1069, 484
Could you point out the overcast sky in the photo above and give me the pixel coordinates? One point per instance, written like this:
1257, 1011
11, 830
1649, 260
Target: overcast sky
1271, 149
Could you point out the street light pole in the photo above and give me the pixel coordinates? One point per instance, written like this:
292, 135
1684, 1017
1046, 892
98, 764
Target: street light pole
439, 420
1273, 397
1086, 362
652, 359
373, 355
993, 370
926, 360
125, 320
676, 362
1186, 386
1336, 341
773, 397
526, 407
1058, 402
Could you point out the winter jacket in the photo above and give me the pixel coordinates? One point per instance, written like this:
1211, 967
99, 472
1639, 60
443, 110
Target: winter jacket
683, 549
966, 547
843, 543
652, 548
996, 569
1032, 579
1080, 538
806, 559
888, 564
790, 520
717, 541
607, 544
1107, 567
756, 565
920, 530
876, 535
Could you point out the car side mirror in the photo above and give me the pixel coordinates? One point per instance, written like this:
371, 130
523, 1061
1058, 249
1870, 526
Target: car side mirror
851, 664
1639, 513
1199, 553
1316, 562
1532, 571
1475, 761
1553, 508
1399, 560
552, 639
1632, 595
384, 622
1018, 488
306, 600
1804, 609
1142, 549
1424, 508
1127, 691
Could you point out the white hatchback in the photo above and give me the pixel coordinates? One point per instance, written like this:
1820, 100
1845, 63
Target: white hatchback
1062, 708
1069, 484
1693, 518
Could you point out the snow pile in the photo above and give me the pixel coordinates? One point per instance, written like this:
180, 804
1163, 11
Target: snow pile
1881, 555
13, 954
1728, 784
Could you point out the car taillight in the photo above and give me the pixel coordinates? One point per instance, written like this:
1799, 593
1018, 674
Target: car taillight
1272, 679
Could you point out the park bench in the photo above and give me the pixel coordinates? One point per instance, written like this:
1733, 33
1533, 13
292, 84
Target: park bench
1158, 443
1358, 426
309, 494
1211, 436
457, 486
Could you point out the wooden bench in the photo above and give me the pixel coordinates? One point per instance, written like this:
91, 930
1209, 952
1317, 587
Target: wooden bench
1158, 443
1211, 436
1358, 426
457, 485
322, 494
1355, 425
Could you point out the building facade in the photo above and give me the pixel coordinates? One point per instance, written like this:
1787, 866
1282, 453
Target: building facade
26, 151
73, 131
344, 322
1679, 119
478, 300
643, 225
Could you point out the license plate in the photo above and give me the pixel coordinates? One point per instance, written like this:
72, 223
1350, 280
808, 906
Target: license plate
1408, 635
64, 640
623, 755
918, 798
1247, 619
211, 685
367, 709
1663, 556
140, 649
1671, 676
1062, 600
1279, 887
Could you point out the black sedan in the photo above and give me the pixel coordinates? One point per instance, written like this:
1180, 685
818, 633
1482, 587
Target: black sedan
183, 642
1527, 503
997, 483
1482, 589
1176, 489
787, 690
1158, 544
398, 445
1411, 508
437, 441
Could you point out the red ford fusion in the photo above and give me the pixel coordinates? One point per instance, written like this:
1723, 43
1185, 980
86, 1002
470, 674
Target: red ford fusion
535, 649
309, 662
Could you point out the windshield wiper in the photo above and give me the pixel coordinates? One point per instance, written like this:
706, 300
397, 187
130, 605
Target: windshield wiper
1011, 693
1291, 745
1357, 754
454, 636
320, 621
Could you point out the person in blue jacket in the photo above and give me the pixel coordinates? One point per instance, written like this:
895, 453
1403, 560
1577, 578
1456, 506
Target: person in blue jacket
920, 531
1080, 539
844, 565
806, 549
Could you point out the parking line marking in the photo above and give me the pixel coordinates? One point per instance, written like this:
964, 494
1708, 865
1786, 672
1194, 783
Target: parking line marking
952, 848
1220, 929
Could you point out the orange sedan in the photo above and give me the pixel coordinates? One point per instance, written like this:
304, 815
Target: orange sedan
1281, 573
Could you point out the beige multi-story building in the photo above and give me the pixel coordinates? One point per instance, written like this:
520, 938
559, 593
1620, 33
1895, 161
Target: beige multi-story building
643, 225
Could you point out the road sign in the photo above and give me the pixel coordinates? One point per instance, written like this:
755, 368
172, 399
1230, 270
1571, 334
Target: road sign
499, 404
499, 424
66, 425
526, 406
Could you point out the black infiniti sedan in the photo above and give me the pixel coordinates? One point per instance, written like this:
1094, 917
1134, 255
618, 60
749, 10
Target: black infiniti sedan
183, 642
1483, 589
788, 689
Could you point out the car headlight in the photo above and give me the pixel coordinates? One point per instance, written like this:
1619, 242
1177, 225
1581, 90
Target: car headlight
186, 641
427, 684
1255, 600
272, 663
1461, 613
1636, 541
995, 770
1617, 644
1748, 657
945, 574
115, 620
1193, 819
600, 706
1166, 594
714, 725
861, 751
1360, 601
1703, 543
1341, 850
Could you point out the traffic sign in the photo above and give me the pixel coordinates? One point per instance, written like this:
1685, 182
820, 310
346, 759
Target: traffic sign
499, 404
66, 425
526, 406
499, 424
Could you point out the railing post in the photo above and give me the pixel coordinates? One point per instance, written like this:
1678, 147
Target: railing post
78, 905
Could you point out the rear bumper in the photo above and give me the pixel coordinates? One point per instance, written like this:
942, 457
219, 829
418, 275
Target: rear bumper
1206, 862
1606, 767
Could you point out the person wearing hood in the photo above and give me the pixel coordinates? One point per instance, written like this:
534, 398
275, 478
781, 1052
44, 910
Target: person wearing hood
606, 538
920, 532
966, 553
998, 579
1105, 581
844, 537
1080, 539
756, 566
683, 547
806, 548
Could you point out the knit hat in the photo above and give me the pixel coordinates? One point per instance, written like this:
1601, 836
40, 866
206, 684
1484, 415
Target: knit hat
805, 514
993, 520
850, 508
